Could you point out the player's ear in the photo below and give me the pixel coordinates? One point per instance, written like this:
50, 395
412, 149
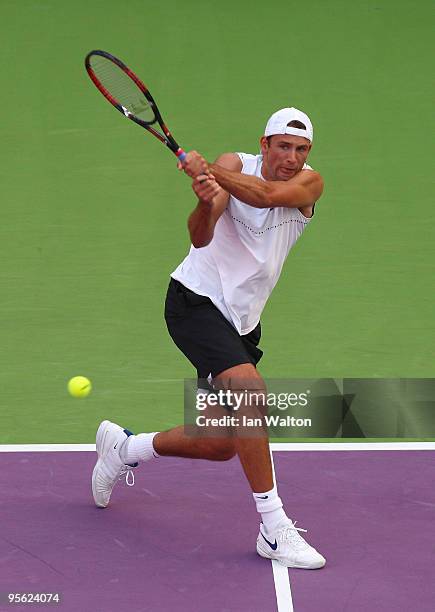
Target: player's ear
264, 144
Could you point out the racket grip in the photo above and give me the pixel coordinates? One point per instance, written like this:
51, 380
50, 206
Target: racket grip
181, 155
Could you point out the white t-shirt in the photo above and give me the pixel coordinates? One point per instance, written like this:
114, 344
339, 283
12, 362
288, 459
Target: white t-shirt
240, 267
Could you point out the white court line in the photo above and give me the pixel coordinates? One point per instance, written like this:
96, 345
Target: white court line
350, 446
275, 446
38, 448
281, 576
282, 587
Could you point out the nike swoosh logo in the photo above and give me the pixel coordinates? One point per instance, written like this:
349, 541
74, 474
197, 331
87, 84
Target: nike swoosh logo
272, 546
260, 497
115, 445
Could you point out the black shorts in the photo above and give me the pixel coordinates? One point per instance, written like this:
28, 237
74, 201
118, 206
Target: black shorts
204, 335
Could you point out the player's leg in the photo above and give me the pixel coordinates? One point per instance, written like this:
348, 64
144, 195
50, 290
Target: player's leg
278, 538
251, 442
119, 451
215, 443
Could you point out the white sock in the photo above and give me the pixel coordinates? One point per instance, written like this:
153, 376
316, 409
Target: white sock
269, 505
138, 448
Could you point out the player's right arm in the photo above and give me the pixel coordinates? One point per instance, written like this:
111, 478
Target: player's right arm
212, 201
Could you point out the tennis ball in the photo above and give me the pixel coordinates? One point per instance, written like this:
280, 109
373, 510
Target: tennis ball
79, 386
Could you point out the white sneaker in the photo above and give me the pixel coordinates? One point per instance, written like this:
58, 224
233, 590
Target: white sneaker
288, 547
109, 467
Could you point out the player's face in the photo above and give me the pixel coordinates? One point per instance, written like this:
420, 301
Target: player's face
283, 156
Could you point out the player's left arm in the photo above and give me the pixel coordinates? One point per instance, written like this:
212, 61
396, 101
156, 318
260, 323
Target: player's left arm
301, 190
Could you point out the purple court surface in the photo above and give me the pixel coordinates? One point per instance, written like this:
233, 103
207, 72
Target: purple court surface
183, 538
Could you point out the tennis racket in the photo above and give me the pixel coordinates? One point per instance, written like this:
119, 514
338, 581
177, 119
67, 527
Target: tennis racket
126, 92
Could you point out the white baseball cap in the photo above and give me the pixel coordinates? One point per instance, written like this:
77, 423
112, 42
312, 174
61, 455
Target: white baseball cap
278, 123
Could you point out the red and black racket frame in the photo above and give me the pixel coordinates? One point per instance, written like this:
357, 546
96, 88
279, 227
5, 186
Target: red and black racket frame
167, 139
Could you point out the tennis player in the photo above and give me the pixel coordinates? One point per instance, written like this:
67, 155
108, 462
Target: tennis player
251, 210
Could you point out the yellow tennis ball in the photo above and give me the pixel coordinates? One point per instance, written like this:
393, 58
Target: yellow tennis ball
79, 386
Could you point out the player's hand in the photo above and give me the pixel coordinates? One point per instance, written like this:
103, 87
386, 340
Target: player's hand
194, 164
205, 187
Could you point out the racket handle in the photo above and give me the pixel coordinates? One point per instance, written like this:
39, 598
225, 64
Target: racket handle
181, 155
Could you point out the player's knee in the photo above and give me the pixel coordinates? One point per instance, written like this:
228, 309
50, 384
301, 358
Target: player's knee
246, 388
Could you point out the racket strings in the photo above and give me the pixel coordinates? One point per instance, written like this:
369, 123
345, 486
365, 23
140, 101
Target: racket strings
122, 88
